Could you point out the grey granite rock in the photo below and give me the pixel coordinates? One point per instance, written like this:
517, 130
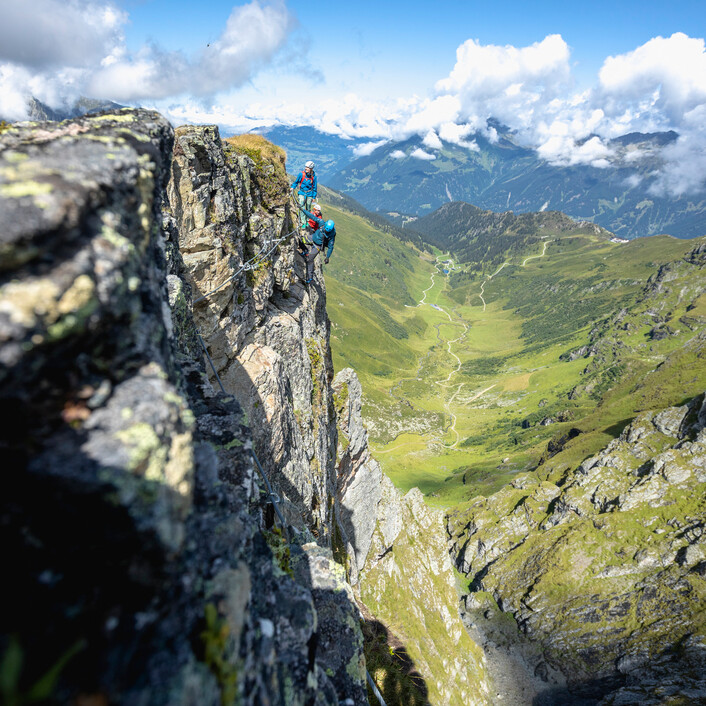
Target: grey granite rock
134, 519
603, 575
359, 475
267, 335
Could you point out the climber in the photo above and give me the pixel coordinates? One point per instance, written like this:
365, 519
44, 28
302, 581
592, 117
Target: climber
311, 226
323, 236
308, 188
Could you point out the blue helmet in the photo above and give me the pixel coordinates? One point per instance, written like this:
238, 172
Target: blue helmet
329, 226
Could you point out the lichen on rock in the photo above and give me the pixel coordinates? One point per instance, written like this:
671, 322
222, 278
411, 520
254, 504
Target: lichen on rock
134, 518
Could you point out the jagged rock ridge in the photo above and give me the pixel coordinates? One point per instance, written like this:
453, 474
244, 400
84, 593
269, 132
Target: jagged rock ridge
146, 567
134, 520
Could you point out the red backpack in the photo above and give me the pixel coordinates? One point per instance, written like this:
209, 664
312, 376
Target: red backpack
313, 224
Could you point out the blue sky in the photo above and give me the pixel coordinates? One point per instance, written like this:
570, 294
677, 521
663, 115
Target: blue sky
414, 43
565, 77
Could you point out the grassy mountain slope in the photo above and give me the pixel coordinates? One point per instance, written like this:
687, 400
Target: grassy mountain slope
371, 277
351, 206
486, 238
601, 566
471, 386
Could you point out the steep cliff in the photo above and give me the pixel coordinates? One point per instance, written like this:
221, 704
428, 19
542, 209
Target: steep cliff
146, 567
403, 575
135, 527
592, 582
268, 337
267, 334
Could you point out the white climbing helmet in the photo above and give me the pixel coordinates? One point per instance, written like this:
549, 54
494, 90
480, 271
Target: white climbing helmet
309, 165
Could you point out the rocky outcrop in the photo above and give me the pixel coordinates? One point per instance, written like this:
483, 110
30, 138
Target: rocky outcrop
669, 304
267, 334
600, 573
401, 570
408, 583
359, 475
144, 569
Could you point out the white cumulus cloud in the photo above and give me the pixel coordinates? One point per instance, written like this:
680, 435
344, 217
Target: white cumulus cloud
50, 33
367, 148
419, 153
506, 82
252, 35
56, 50
452, 132
664, 75
431, 140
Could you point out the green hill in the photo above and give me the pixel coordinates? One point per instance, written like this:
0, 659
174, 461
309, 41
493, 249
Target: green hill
486, 238
544, 359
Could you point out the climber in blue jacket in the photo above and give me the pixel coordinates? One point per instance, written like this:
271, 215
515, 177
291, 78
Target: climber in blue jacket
323, 236
308, 188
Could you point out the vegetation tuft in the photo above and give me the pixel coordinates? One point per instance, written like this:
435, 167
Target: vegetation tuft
269, 166
391, 668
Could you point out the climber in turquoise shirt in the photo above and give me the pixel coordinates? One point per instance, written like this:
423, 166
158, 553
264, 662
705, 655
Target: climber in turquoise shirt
308, 188
323, 236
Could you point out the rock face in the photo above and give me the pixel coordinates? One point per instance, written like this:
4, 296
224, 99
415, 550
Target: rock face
267, 334
401, 570
134, 525
409, 584
359, 475
268, 337
603, 571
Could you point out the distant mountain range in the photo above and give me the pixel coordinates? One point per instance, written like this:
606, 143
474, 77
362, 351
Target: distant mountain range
41, 111
330, 152
502, 176
499, 176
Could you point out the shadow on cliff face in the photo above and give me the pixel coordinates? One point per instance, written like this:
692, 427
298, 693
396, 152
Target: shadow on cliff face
588, 693
392, 669
101, 556
79, 574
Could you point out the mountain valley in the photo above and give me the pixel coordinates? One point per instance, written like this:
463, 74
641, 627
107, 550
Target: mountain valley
546, 390
465, 462
519, 351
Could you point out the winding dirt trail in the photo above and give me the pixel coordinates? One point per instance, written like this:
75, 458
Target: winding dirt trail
423, 300
445, 382
487, 279
532, 257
